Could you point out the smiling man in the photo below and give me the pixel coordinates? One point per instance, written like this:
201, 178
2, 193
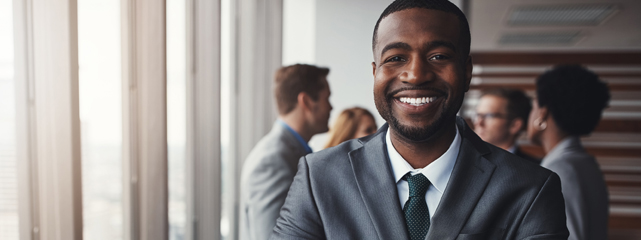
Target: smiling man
425, 174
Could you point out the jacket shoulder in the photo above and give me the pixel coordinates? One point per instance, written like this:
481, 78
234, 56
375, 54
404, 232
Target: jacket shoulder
339, 152
515, 167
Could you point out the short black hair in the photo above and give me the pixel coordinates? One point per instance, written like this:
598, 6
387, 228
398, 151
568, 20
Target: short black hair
440, 5
574, 96
519, 104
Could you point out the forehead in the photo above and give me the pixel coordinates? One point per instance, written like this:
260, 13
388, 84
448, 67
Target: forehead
492, 103
326, 88
418, 25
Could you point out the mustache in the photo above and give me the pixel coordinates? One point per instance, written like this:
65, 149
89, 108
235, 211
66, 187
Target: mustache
392, 93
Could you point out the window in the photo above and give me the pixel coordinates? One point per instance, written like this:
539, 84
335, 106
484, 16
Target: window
101, 118
8, 163
176, 117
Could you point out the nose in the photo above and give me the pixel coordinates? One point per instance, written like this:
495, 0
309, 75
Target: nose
477, 120
417, 72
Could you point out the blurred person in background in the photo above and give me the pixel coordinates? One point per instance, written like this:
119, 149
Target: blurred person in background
351, 123
302, 96
569, 104
501, 116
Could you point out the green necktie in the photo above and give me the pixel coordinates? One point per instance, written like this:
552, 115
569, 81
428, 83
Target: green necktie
417, 216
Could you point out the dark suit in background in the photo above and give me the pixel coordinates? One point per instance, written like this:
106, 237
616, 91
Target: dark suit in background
349, 192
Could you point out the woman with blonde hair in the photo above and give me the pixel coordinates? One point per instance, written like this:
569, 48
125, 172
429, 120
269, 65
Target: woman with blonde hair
352, 123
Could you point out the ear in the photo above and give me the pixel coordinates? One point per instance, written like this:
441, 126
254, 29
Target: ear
374, 68
468, 72
304, 101
516, 126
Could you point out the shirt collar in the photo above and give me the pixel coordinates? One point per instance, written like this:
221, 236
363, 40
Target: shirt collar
296, 135
559, 149
512, 149
438, 172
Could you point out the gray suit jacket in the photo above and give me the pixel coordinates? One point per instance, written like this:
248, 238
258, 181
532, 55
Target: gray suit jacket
349, 192
584, 189
267, 174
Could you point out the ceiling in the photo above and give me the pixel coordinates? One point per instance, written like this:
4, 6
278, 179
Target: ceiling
495, 25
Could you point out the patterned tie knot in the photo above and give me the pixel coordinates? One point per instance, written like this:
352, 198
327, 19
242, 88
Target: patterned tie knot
418, 184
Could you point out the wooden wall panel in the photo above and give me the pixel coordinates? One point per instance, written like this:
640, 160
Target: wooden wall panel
616, 141
619, 125
538, 58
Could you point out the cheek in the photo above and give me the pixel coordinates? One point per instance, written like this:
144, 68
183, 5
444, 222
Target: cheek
531, 118
383, 78
379, 86
530, 123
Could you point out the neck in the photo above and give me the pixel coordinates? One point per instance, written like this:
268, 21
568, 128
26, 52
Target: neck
552, 137
506, 145
421, 154
297, 124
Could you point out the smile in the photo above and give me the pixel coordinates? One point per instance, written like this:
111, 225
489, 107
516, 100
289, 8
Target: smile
417, 101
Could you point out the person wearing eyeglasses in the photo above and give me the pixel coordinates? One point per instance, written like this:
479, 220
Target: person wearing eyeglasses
501, 116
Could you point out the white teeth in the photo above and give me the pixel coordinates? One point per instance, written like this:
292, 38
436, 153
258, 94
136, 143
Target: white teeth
417, 101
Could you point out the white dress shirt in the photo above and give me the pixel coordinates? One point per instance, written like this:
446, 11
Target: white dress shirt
438, 172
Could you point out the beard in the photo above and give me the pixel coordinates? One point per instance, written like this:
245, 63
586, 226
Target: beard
418, 133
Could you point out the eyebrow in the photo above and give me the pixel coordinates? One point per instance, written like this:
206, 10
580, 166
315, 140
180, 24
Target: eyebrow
436, 44
396, 45
429, 45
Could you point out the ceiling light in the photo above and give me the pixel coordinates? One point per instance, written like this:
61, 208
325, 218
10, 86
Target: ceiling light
540, 38
561, 15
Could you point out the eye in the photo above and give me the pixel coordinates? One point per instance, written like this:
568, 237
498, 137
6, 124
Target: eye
439, 57
395, 59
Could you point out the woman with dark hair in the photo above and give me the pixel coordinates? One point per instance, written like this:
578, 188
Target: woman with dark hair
351, 123
569, 103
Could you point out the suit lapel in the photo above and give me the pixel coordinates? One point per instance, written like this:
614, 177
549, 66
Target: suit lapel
467, 183
377, 187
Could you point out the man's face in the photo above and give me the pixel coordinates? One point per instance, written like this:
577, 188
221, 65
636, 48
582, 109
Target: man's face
420, 75
491, 122
321, 109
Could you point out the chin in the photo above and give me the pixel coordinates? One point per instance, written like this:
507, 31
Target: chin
416, 133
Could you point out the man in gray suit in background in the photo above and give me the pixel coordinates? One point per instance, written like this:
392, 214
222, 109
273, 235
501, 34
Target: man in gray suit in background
426, 175
302, 95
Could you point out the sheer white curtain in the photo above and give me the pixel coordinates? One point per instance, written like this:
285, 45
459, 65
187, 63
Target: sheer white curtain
8, 163
101, 118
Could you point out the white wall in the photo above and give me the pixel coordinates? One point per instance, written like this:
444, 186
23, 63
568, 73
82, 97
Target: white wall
299, 24
344, 44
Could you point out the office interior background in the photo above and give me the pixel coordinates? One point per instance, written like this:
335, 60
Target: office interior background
131, 119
